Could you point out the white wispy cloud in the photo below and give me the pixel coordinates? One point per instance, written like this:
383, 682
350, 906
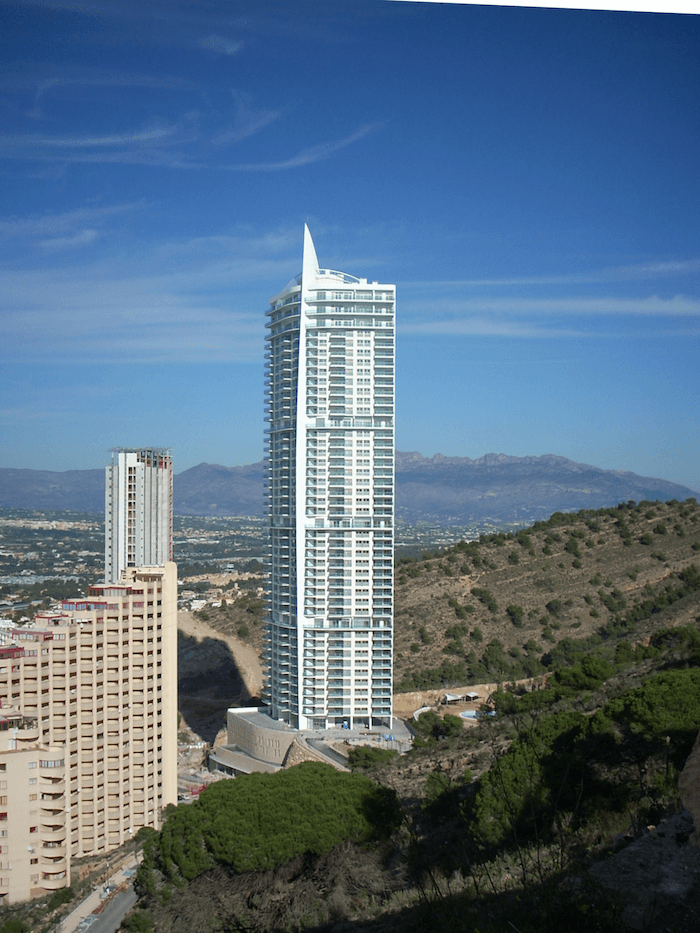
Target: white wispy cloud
626, 273
188, 300
149, 135
220, 44
248, 120
182, 142
153, 133
552, 318
307, 156
81, 238
44, 86
60, 224
481, 326
456, 307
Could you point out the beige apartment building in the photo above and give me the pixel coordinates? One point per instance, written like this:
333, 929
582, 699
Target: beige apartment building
34, 856
98, 679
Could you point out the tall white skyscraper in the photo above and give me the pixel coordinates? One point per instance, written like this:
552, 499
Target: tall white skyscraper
138, 510
330, 453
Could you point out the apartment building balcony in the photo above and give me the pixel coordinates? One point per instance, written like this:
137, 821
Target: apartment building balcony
54, 850
53, 860
53, 882
52, 811
52, 787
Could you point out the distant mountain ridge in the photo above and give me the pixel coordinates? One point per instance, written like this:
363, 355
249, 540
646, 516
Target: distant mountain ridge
498, 487
444, 490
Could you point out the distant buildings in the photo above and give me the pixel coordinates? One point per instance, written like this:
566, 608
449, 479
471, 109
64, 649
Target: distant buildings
138, 510
330, 453
88, 705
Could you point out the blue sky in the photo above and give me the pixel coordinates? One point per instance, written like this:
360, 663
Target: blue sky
527, 177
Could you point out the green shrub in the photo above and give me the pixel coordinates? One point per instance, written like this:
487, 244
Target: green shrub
14, 925
486, 598
364, 757
62, 896
515, 614
140, 921
554, 607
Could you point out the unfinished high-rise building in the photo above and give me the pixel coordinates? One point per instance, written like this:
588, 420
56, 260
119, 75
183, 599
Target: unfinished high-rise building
138, 510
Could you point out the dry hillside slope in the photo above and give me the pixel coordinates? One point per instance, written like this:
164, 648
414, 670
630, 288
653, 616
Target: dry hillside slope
492, 609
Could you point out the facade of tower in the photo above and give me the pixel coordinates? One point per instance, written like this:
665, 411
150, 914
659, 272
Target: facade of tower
138, 510
330, 354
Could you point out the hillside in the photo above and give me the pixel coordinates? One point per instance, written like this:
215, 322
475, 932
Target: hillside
491, 611
538, 818
441, 490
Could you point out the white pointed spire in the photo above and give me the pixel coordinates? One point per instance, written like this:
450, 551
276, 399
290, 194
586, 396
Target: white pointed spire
309, 263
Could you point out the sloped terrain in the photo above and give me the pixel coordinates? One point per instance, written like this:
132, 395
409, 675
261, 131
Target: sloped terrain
490, 611
526, 819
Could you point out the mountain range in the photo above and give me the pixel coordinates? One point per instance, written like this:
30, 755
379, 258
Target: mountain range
443, 490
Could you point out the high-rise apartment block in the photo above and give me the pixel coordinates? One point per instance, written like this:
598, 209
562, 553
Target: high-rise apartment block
330, 353
138, 510
95, 685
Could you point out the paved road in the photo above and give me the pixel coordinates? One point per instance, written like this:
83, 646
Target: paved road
114, 910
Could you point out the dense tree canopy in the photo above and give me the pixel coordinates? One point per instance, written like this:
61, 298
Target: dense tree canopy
259, 821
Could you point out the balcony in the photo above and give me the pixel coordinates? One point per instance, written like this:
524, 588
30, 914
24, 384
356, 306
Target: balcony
54, 882
54, 860
54, 851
